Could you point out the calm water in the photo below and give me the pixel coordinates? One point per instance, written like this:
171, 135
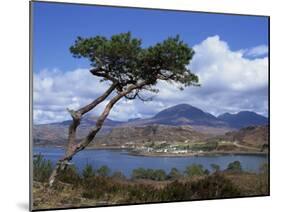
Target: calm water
120, 160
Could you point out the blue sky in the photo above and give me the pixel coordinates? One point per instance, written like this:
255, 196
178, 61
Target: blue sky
245, 38
57, 25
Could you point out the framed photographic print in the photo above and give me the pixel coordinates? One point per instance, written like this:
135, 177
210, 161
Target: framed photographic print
138, 105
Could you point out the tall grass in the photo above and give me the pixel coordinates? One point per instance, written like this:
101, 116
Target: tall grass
41, 168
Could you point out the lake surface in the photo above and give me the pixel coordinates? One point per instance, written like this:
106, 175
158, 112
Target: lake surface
120, 160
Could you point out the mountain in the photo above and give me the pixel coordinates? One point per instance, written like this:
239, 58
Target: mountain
180, 121
243, 119
182, 114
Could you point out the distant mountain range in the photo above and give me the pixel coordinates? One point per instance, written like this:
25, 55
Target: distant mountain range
243, 119
180, 115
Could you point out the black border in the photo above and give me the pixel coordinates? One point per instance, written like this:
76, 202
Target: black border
268, 96
31, 102
30, 105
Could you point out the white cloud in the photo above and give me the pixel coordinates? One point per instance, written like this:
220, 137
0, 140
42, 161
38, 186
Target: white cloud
257, 51
219, 67
230, 82
55, 90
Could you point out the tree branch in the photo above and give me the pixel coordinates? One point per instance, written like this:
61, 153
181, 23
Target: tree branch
77, 115
93, 104
130, 96
91, 135
162, 76
101, 72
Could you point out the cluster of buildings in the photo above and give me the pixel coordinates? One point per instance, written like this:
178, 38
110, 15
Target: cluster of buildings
174, 149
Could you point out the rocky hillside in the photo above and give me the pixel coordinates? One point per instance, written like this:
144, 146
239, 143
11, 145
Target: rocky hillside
129, 136
252, 136
57, 133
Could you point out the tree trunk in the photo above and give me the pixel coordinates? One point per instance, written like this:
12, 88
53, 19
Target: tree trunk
76, 118
73, 148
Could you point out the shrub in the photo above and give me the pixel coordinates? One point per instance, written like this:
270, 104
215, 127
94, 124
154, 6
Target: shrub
42, 169
151, 174
264, 168
103, 171
148, 174
140, 193
70, 175
194, 170
139, 173
101, 187
118, 175
159, 175
234, 166
263, 179
88, 172
106, 188
95, 187
215, 167
206, 172
174, 174
176, 191
214, 186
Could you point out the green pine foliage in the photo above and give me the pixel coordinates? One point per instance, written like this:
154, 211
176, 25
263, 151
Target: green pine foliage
122, 59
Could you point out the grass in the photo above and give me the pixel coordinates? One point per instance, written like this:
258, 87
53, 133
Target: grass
93, 188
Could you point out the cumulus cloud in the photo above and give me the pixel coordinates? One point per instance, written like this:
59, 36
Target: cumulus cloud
257, 51
220, 68
230, 82
55, 90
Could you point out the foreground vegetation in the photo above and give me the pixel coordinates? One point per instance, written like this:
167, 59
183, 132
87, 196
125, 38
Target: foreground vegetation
100, 186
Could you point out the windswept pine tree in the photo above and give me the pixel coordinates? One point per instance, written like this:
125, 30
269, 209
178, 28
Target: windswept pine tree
130, 70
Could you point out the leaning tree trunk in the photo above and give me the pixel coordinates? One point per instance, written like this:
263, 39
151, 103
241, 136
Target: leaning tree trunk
72, 147
76, 118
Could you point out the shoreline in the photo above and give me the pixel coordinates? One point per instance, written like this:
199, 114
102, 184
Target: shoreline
210, 154
155, 154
